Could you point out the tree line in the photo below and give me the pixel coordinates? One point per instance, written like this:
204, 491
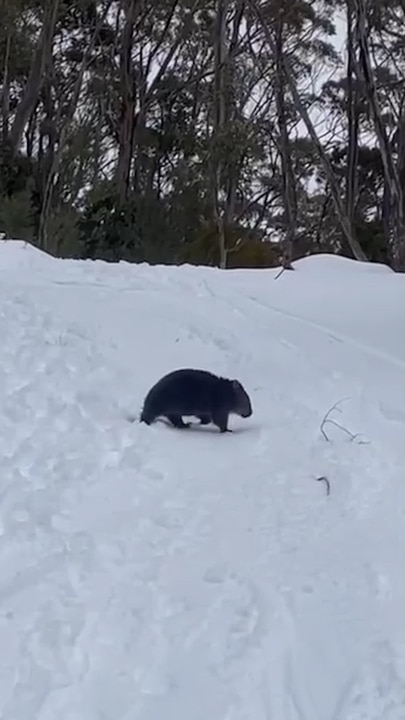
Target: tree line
223, 132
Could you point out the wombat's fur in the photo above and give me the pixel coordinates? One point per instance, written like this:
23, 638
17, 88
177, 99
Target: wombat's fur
199, 393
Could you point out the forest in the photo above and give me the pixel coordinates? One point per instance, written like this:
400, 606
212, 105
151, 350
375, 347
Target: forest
233, 133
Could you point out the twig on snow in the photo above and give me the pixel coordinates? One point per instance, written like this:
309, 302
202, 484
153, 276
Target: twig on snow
326, 481
285, 267
279, 273
327, 419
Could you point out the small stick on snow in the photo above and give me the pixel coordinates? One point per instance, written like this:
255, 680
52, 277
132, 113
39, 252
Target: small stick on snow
326, 481
353, 436
285, 267
327, 419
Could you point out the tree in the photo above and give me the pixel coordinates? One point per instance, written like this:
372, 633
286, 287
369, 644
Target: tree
201, 130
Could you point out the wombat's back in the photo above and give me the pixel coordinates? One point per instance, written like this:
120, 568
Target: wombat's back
187, 392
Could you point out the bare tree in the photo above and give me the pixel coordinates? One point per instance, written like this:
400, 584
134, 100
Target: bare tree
127, 119
352, 118
36, 76
219, 108
226, 153
161, 54
63, 133
394, 190
354, 244
288, 180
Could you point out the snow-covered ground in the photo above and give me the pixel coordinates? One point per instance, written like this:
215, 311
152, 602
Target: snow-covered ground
148, 573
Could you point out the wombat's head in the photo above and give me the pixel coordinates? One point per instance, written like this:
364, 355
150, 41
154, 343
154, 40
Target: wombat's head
243, 406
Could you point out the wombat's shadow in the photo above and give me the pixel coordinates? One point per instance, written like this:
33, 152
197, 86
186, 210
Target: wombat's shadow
196, 427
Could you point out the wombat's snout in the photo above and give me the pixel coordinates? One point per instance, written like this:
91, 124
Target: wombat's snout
245, 406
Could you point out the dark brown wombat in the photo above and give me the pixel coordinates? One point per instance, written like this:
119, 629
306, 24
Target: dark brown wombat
199, 393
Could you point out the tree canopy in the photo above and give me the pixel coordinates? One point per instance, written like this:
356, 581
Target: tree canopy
223, 132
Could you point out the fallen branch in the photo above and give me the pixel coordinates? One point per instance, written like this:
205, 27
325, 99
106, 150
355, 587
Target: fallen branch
328, 420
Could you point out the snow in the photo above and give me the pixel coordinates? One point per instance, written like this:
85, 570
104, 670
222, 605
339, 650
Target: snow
148, 573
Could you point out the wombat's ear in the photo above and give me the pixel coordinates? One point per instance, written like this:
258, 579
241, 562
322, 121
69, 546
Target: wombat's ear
235, 384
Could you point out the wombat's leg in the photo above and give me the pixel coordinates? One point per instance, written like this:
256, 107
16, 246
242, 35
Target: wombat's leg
204, 419
177, 421
148, 419
220, 418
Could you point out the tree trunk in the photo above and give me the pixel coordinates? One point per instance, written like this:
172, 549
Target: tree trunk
288, 180
30, 97
43, 240
354, 244
5, 95
391, 177
352, 122
219, 121
399, 243
127, 120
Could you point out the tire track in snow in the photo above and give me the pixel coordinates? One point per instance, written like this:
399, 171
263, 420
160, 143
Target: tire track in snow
335, 335
381, 409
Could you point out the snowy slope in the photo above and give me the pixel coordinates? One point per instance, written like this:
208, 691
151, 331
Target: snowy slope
154, 574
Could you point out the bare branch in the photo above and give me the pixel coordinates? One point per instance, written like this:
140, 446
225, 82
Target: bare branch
285, 267
328, 420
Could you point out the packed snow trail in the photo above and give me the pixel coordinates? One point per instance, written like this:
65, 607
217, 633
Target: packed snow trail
148, 573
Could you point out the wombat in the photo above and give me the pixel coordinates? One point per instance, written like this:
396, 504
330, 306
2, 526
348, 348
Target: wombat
199, 393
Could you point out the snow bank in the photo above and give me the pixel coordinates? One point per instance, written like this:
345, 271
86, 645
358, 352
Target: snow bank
153, 574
